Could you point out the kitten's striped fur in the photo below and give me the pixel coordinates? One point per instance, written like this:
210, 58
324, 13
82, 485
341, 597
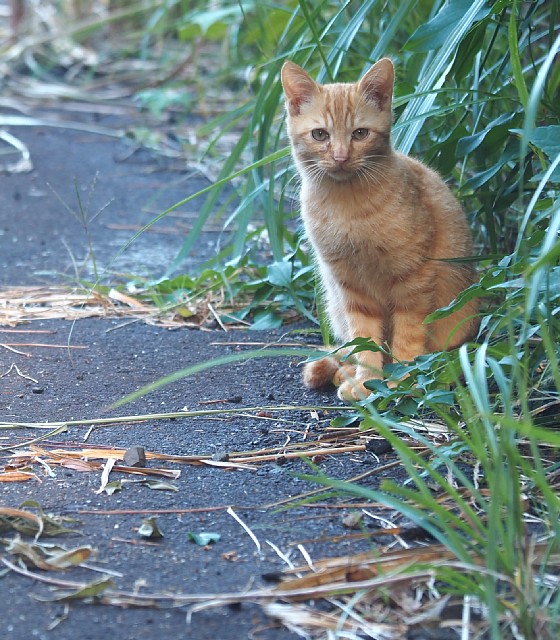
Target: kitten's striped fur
379, 222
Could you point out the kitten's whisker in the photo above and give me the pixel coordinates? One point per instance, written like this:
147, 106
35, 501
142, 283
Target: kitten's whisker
315, 173
375, 169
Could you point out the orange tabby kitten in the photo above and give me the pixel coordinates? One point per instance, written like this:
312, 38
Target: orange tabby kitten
379, 222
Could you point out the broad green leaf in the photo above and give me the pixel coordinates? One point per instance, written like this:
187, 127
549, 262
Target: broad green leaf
483, 177
280, 274
548, 140
265, 320
435, 32
440, 396
469, 143
345, 420
472, 292
212, 23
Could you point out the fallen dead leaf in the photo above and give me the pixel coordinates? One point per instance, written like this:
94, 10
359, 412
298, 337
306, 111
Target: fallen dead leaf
18, 476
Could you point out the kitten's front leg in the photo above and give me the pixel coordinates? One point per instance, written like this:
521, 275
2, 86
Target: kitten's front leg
369, 364
410, 335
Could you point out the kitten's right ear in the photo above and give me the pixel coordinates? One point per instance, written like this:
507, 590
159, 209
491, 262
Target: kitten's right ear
299, 87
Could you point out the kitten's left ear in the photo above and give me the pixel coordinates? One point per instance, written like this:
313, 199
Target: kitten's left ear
377, 83
299, 87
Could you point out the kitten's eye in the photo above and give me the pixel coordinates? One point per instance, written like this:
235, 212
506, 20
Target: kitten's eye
360, 134
320, 135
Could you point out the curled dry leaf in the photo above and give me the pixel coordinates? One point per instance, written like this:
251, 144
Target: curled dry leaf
84, 592
159, 485
150, 529
31, 524
75, 464
17, 476
48, 557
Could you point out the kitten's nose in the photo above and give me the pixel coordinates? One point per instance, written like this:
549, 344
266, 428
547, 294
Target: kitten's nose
340, 157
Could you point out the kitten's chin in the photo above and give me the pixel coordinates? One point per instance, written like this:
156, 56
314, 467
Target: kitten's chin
341, 174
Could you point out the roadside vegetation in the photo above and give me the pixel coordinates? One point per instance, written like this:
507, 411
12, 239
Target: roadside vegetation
477, 98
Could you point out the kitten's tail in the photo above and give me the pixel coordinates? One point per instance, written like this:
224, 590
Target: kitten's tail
327, 371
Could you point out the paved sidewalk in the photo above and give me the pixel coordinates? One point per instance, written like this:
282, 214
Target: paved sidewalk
93, 362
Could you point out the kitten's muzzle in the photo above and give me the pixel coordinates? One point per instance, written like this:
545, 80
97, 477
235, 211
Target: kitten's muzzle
340, 157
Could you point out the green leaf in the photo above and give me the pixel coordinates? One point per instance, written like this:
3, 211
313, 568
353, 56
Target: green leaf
440, 396
513, 39
470, 143
211, 24
158, 100
159, 485
509, 154
359, 344
204, 538
433, 75
265, 320
113, 487
474, 291
433, 34
345, 420
208, 364
547, 139
279, 274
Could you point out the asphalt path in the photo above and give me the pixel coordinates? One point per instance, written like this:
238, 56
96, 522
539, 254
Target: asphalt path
91, 363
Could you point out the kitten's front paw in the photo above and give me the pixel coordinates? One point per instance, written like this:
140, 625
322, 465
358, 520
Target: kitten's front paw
345, 372
352, 391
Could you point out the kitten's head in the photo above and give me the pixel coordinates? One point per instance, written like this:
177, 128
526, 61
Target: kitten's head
339, 131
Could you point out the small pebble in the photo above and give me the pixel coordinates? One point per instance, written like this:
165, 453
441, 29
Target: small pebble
37, 390
135, 457
379, 447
